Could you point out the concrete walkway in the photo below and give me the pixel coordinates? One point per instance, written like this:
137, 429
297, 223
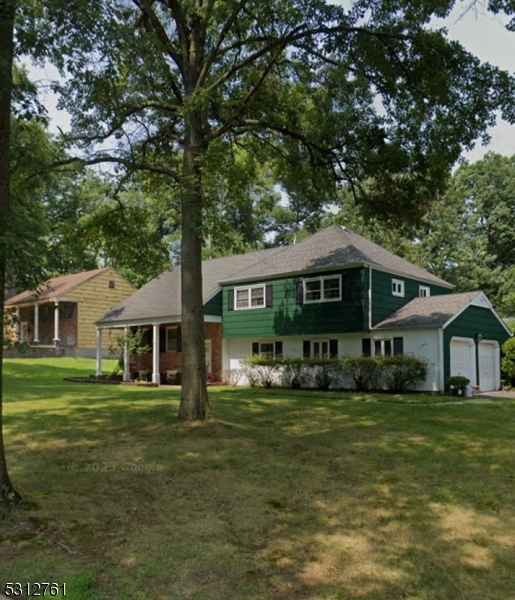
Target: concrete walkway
497, 395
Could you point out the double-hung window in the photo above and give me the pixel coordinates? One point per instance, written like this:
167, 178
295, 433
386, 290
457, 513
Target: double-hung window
249, 297
323, 289
398, 287
424, 291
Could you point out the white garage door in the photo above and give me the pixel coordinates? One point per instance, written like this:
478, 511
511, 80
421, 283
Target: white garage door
463, 358
488, 366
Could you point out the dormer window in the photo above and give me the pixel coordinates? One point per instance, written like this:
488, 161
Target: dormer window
398, 287
424, 291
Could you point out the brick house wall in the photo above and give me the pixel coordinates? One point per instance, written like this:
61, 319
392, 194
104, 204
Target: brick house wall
172, 361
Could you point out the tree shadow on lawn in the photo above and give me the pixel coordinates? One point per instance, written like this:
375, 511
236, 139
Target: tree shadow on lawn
291, 498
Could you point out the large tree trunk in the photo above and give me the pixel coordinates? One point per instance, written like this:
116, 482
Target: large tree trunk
8, 495
194, 401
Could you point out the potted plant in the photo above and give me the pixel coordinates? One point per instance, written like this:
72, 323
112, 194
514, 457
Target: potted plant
458, 385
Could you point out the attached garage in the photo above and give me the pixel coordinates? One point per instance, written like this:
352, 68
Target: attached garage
463, 358
489, 361
467, 340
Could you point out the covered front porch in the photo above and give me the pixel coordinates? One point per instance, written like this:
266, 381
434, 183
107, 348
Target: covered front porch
163, 363
46, 323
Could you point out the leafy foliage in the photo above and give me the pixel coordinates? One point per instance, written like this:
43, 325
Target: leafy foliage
458, 384
508, 359
394, 374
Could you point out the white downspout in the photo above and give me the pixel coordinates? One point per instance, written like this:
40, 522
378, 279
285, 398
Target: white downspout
370, 297
440, 365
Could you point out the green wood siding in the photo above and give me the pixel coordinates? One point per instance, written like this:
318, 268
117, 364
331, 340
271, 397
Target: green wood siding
475, 319
214, 305
286, 317
384, 303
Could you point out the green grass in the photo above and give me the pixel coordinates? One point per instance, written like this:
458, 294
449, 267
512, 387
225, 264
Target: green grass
282, 495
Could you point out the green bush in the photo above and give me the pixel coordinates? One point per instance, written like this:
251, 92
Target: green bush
295, 372
361, 370
508, 359
261, 369
394, 374
325, 372
401, 373
458, 384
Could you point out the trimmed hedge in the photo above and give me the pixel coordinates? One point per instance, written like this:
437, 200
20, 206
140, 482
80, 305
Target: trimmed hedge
394, 374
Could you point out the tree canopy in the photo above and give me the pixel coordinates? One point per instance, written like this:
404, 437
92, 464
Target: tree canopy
467, 236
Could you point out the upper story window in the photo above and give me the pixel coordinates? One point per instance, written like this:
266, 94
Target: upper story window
398, 287
323, 289
250, 297
424, 291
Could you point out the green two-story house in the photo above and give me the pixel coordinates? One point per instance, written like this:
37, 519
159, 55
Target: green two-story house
336, 294
332, 294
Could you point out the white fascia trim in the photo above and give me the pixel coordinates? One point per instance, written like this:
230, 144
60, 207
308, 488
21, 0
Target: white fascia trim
473, 303
306, 273
150, 321
137, 322
406, 276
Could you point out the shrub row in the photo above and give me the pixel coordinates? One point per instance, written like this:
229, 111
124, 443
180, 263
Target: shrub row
394, 374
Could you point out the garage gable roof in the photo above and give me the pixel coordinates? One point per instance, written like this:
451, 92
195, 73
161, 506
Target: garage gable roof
435, 311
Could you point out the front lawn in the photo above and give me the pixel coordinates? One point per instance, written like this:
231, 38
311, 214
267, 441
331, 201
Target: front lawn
282, 495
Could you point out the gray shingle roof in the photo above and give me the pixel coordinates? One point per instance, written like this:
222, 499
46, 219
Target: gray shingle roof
335, 247
161, 297
433, 311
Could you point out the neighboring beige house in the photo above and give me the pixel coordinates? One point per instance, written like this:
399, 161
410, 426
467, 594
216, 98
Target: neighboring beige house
63, 311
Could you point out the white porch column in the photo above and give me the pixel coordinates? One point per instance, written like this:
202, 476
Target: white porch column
99, 352
155, 355
36, 324
56, 324
18, 325
126, 357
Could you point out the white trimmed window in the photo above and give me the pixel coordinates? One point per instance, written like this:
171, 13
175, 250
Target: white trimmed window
172, 339
382, 347
320, 348
424, 291
323, 289
249, 297
398, 287
269, 348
